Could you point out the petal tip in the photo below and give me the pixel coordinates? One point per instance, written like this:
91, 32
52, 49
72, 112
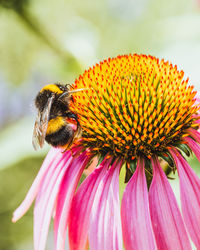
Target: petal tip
14, 218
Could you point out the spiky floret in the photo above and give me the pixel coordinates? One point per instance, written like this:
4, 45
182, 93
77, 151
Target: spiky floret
133, 105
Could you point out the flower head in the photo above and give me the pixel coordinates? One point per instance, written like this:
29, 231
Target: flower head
135, 105
134, 111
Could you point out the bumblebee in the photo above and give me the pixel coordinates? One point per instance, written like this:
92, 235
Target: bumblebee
55, 122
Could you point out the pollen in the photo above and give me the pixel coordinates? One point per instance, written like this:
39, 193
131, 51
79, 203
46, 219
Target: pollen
133, 105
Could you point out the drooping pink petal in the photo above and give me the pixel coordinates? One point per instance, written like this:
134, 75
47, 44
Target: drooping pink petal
194, 146
81, 207
49, 162
105, 231
46, 198
64, 198
194, 134
190, 197
136, 222
166, 218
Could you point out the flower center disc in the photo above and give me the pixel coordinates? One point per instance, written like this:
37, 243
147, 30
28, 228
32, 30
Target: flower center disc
133, 105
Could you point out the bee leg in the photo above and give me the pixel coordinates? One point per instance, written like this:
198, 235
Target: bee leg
72, 115
76, 132
75, 117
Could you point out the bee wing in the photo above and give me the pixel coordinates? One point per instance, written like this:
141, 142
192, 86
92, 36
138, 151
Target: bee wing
41, 123
37, 133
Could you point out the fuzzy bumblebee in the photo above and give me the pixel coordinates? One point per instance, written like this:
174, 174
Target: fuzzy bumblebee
55, 122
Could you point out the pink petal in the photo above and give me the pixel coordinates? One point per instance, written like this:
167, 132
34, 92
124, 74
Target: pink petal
136, 222
190, 197
67, 189
81, 207
49, 162
46, 199
166, 219
194, 146
194, 134
105, 231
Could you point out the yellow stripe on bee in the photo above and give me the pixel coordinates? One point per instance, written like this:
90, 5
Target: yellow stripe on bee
53, 88
54, 125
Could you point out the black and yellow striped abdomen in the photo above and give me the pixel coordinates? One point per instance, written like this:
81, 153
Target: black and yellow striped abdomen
59, 132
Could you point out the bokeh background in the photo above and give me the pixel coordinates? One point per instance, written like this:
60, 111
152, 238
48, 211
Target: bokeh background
47, 41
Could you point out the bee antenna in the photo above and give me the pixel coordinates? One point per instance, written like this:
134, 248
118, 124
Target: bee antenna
77, 90
72, 91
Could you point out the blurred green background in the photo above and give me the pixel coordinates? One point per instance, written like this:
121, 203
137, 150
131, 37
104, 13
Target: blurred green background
45, 41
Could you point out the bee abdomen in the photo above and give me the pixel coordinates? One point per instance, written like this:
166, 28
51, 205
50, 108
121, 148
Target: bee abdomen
61, 137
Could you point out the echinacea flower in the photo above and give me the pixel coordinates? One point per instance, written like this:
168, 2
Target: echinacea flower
136, 110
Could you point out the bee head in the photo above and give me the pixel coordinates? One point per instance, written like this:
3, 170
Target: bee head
47, 92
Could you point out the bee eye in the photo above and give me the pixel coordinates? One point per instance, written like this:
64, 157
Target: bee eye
61, 87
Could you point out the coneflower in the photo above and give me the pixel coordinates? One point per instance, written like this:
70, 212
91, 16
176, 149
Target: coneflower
136, 110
